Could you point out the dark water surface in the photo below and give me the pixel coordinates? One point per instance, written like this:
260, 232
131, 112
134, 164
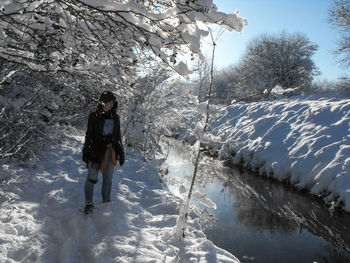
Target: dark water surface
261, 220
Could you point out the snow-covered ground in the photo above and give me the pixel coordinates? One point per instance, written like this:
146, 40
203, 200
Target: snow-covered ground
303, 140
41, 217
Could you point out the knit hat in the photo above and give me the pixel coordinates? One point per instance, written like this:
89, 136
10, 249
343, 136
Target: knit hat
107, 96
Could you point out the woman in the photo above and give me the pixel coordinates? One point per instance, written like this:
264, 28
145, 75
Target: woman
102, 148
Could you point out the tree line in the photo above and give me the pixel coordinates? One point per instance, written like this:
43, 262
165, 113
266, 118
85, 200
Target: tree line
281, 59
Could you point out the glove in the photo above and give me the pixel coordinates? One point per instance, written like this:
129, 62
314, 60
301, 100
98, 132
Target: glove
121, 158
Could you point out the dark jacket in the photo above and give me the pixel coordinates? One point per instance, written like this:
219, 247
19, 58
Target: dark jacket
95, 144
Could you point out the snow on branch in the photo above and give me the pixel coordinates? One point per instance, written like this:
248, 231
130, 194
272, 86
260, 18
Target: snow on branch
78, 35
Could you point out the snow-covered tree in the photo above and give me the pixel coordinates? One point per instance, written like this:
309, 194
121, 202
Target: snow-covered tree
339, 15
343, 84
201, 80
103, 35
283, 59
339, 87
64, 52
226, 85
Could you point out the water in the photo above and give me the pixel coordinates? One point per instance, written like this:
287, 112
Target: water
261, 220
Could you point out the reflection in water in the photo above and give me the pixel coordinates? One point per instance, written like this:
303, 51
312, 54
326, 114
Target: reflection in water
272, 222
261, 220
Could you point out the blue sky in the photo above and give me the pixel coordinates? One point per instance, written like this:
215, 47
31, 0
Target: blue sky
273, 16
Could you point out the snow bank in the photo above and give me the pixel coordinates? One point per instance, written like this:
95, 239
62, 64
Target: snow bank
304, 140
41, 217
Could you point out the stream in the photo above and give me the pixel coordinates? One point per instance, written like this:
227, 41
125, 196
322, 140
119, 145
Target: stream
259, 219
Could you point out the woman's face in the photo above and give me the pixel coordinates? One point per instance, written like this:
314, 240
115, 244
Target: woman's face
108, 106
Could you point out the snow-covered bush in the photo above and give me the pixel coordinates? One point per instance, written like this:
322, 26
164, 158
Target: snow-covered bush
142, 111
31, 103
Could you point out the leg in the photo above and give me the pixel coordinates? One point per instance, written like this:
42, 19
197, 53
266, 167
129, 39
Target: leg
89, 183
107, 181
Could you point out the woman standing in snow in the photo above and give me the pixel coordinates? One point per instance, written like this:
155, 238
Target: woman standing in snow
102, 148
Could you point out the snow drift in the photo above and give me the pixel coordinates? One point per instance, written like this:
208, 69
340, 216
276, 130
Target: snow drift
304, 140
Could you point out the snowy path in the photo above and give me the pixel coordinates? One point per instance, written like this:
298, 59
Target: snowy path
41, 218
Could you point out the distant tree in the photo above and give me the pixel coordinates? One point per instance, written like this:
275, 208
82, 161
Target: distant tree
283, 59
343, 84
321, 86
339, 15
225, 85
339, 86
201, 83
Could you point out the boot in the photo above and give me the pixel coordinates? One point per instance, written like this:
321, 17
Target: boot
89, 209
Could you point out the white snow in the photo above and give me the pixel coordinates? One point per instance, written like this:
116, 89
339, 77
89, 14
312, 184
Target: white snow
41, 217
304, 140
